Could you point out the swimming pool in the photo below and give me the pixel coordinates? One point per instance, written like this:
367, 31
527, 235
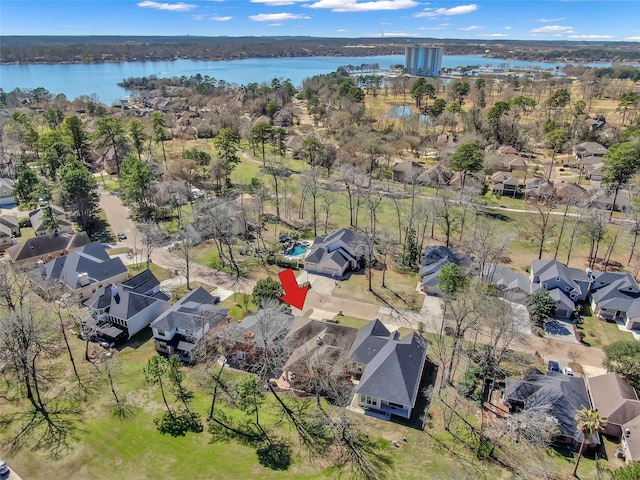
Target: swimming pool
297, 250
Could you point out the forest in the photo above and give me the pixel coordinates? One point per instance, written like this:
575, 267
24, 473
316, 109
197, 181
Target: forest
98, 49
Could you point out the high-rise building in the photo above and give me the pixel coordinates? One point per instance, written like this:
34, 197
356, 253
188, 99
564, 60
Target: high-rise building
423, 60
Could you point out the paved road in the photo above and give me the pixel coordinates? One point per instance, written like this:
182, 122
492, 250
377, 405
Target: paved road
118, 217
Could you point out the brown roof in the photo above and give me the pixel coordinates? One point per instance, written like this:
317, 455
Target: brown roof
46, 244
609, 392
571, 192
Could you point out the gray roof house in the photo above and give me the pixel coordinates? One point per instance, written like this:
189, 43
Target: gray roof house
616, 295
514, 286
565, 394
38, 218
433, 259
47, 247
336, 254
6, 192
566, 285
81, 272
124, 309
589, 149
11, 222
393, 366
407, 171
178, 330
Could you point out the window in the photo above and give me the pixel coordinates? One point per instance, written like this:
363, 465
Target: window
363, 399
396, 405
161, 332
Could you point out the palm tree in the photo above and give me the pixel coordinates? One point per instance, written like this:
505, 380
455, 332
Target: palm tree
589, 422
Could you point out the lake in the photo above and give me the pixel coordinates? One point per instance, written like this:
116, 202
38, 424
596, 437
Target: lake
102, 78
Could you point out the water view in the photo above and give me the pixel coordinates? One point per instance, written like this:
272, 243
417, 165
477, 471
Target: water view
102, 78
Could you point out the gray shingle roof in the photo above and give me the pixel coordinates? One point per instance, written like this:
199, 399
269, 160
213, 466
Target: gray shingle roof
92, 259
394, 374
369, 341
191, 312
566, 395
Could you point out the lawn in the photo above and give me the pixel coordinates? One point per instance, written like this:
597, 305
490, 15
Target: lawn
240, 305
161, 273
348, 321
399, 293
599, 333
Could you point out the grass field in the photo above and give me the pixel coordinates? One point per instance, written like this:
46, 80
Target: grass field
599, 333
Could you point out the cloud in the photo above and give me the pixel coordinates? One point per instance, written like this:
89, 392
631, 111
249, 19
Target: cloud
553, 29
633, 39
172, 7
198, 17
492, 35
437, 12
550, 20
356, 6
277, 17
593, 37
277, 3
342, 30
274, 25
471, 28
507, 28
221, 19
77, 26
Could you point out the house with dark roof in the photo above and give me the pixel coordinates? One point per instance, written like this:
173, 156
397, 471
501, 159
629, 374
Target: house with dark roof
317, 348
123, 309
616, 295
6, 192
80, 273
47, 247
179, 329
391, 370
566, 285
433, 259
341, 251
565, 394
435, 177
514, 286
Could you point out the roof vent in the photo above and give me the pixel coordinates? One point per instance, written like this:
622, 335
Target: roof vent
319, 341
627, 433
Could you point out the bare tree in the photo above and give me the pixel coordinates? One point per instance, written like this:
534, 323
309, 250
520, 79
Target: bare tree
188, 238
151, 238
488, 249
110, 367
542, 229
446, 215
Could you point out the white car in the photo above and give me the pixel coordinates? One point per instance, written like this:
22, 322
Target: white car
567, 371
3, 467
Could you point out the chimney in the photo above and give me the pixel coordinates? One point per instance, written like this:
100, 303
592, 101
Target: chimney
319, 340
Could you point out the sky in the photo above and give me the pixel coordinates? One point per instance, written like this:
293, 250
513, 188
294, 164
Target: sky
598, 20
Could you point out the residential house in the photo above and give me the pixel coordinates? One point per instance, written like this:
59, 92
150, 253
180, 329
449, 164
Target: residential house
392, 370
11, 224
565, 394
595, 171
282, 118
254, 336
79, 273
9, 230
504, 150
589, 149
179, 329
539, 190
38, 220
435, 177
407, 172
514, 286
606, 200
616, 295
595, 123
566, 285
618, 402
123, 309
433, 259
504, 184
572, 194
514, 163
46, 247
6, 192
317, 348
341, 251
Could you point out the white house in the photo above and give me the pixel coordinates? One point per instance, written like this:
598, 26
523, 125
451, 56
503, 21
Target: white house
6, 192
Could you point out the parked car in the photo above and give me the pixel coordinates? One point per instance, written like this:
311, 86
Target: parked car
553, 366
3, 467
568, 371
122, 236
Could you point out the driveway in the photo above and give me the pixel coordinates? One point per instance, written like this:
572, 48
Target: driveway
560, 330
